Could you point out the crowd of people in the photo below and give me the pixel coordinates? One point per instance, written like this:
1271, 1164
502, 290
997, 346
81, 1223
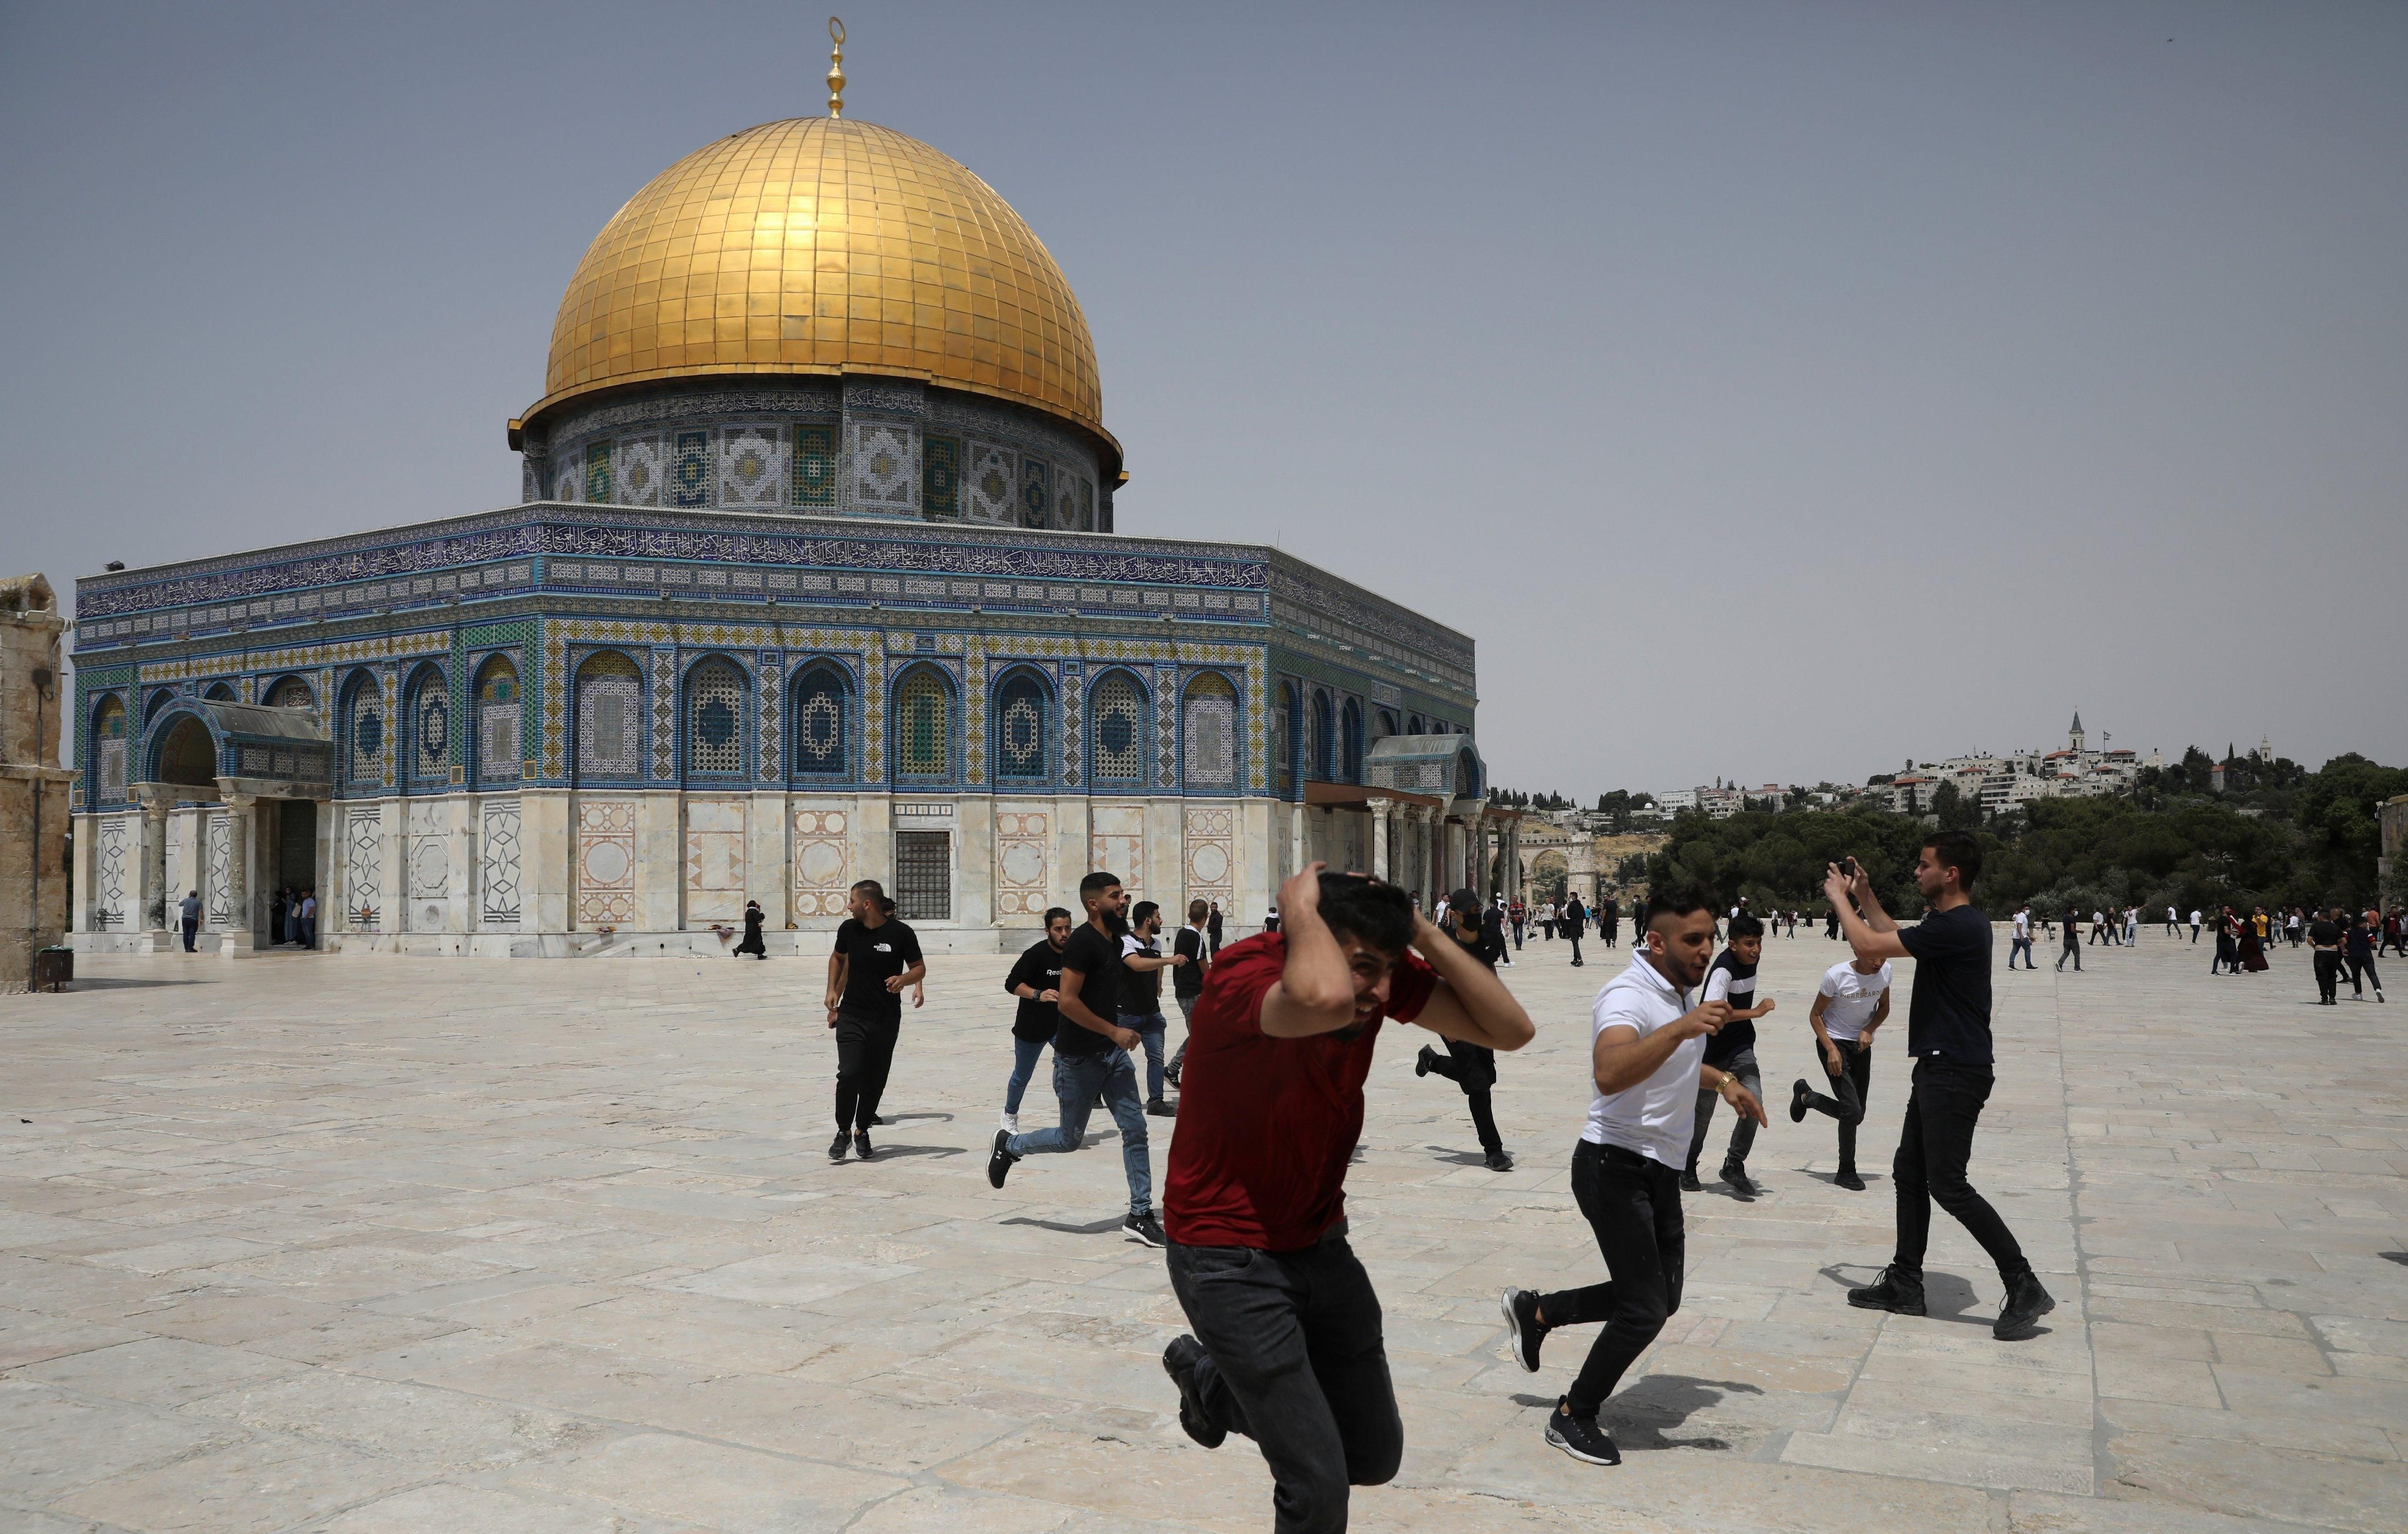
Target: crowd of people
1284, 1344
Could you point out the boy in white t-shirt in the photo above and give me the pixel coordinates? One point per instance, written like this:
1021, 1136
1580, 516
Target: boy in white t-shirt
2022, 940
1853, 1001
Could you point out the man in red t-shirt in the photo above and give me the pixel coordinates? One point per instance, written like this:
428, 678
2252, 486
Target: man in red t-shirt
1287, 1347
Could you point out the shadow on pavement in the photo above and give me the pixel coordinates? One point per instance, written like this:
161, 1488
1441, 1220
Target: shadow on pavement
1093, 1228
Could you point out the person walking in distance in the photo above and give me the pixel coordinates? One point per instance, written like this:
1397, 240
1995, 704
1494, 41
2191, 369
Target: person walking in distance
2358, 945
1091, 1059
1197, 943
2173, 921
1520, 915
2022, 940
1948, 1033
2325, 943
1608, 923
2194, 925
1731, 979
2073, 948
1851, 1003
1574, 920
1037, 981
1492, 927
188, 914
1143, 962
1472, 1067
1286, 1343
1648, 1035
752, 944
875, 957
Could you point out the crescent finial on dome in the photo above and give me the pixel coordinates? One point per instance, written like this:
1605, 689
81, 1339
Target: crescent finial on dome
835, 67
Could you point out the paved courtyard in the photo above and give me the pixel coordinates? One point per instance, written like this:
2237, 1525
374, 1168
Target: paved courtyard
382, 1245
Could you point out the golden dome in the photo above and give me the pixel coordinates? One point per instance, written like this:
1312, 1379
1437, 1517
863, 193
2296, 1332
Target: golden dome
823, 245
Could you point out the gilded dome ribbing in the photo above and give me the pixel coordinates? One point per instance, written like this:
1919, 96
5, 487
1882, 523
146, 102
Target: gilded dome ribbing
821, 245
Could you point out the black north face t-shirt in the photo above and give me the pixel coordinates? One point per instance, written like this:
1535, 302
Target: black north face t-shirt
875, 956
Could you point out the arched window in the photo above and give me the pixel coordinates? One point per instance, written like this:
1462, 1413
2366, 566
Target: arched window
924, 725
1416, 726
498, 722
1212, 732
714, 718
1325, 740
1350, 736
429, 713
1383, 724
220, 692
1117, 735
1287, 726
109, 750
1023, 706
364, 731
610, 717
292, 692
187, 754
158, 700
822, 703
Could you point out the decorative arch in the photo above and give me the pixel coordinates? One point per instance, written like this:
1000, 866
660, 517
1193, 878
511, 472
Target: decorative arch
426, 727
922, 729
610, 717
1021, 717
821, 738
1324, 756
290, 693
499, 712
1117, 732
1211, 755
183, 750
108, 748
364, 730
1349, 742
1383, 724
220, 692
715, 718
158, 700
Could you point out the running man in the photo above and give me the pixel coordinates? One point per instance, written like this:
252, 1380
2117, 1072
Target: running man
1037, 981
1197, 943
1287, 1345
875, 957
1647, 1065
1142, 963
1732, 1052
1852, 1002
1472, 1067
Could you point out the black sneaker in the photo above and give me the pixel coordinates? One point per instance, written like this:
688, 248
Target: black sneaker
1422, 1061
1581, 1438
1499, 1162
837, 1146
1690, 1183
876, 1120
1522, 1327
1736, 1176
1800, 1094
2026, 1303
861, 1146
1849, 1180
1179, 1361
1144, 1229
998, 1164
1895, 1293
1161, 1109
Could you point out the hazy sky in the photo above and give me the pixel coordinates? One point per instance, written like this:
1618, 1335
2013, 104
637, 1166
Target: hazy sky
1772, 391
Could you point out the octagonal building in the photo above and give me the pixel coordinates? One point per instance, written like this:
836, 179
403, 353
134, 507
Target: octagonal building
813, 579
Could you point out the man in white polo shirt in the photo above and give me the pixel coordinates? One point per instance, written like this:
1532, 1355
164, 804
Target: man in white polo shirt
1647, 1063
1852, 1002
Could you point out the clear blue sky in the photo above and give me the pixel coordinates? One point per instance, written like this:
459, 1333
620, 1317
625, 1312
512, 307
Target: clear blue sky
1774, 390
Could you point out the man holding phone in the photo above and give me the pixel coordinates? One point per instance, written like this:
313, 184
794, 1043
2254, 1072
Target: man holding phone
1948, 1033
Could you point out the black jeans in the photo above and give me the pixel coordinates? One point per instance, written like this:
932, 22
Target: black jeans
1851, 1089
2072, 951
1295, 1361
1473, 1067
864, 1051
2361, 975
1634, 1206
2328, 975
1742, 1141
1934, 1145
191, 928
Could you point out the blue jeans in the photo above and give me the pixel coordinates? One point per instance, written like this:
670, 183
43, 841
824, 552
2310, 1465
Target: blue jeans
1150, 1029
1023, 1066
1077, 1080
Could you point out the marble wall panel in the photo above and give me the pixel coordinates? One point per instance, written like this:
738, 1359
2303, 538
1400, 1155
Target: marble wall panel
604, 862
823, 859
1116, 843
714, 861
1023, 839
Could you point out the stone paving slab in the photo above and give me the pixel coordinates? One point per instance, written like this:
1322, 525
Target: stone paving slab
351, 1246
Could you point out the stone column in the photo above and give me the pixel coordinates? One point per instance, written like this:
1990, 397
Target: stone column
242, 820
153, 903
1380, 812
1299, 855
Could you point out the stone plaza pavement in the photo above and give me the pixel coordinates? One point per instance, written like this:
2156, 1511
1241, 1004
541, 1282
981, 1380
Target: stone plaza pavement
380, 1244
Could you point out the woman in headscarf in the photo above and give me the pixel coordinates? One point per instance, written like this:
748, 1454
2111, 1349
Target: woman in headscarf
752, 944
2252, 946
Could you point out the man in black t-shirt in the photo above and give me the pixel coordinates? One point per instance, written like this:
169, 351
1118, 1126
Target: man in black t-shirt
2325, 942
875, 957
1948, 1033
1037, 981
2358, 946
1195, 943
1472, 1066
1091, 1058
1143, 962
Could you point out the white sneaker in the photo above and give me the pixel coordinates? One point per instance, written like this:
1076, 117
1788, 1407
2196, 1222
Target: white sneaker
1011, 1124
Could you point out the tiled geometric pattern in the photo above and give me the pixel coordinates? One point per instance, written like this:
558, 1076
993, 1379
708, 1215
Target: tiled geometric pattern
664, 714
388, 679
1210, 853
499, 716
597, 474
1322, 750
1024, 855
714, 861
109, 738
689, 470
822, 699
1284, 729
1212, 732
1117, 741
430, 727
823, 860
567, 478
1036, 492
752, 467
641, 471
991, 485
940, 477
1166, 726
885, 461
1116, 844
364, 870
715, 709
923, 725
610, 717
497, 865
217, 855
292, 692
1073, 717
604, 862
815, 465
974, 718
109, 904
765, 727
1020, 709
1074, 508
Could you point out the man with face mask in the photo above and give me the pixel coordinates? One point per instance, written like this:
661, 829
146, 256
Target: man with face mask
1647, 1069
